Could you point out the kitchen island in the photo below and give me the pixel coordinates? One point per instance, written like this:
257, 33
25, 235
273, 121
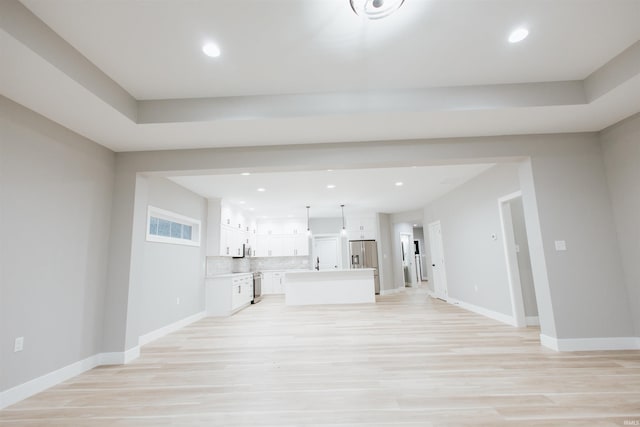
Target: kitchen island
307, 287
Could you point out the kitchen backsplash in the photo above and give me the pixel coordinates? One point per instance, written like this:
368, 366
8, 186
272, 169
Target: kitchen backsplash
224, 265
280, 263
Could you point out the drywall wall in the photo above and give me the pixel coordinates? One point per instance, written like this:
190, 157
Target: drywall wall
329, 226
570, 305
586, 285
469, 216
169, 271
55, 203
524, 260
621, 150
385, 248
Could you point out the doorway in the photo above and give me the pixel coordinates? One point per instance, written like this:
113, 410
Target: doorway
516, 248
439, 275
327, 253
406, 244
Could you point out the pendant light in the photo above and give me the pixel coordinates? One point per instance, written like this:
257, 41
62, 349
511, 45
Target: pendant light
375, 9
308, 228
344, 230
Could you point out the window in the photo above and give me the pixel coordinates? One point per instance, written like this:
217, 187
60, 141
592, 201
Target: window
169, 227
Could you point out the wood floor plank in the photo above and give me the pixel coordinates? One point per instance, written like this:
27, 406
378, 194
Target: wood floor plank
408, 360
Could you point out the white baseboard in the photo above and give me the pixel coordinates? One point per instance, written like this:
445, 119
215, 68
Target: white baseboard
165, 330
590, 344
500, 317
532, 321
37, 385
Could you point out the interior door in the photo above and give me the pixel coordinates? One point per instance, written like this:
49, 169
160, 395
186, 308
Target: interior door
437, 261
327, 251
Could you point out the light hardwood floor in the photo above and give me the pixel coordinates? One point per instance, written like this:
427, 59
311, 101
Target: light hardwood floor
407, 360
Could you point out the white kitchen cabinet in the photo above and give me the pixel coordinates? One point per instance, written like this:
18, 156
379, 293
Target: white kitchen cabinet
272, 227
294, 227
226, 230
362, 227
228, 294
273, 282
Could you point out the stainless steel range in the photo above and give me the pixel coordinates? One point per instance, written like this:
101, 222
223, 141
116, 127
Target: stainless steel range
257, 287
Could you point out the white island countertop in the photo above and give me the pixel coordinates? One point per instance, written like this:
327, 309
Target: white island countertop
343, 286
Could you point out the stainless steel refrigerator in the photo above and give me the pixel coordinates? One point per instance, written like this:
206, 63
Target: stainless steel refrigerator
364, 254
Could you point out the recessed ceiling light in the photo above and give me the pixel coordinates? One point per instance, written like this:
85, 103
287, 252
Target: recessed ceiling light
330, 186
329, 170
245, 173
211, 49
262, 190
518, 35
252, 209
242, 202
399, 184
415, 225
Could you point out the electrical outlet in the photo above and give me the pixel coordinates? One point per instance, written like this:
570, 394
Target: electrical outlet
19, 344
178, 301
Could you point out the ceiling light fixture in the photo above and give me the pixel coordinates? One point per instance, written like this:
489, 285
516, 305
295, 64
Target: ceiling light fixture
344, 230
211, 49
399, 184
518, 35
331, 186
375, 9
262, 190
308, 228
245, 173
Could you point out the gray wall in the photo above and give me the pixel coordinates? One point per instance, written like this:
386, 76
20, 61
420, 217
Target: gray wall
385, 252
621, 149
55, 204
418, 234
524, 260
171, 271
468, 216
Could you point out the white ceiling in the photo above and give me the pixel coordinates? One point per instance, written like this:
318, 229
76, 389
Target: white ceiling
152, 48
361, 191
301, 72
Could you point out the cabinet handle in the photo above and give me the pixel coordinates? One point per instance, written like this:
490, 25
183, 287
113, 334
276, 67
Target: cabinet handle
239, 288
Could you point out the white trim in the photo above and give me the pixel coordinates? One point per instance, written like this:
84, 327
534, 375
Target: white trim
39, 384
590, 344
165, 330
513, 272
532, 321
500, 317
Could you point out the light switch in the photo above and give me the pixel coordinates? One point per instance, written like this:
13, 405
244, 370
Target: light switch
19, 344
561, 245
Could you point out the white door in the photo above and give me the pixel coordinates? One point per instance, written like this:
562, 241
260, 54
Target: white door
439, 275
327, 253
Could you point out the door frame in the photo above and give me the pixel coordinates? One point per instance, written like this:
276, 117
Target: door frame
443, 275
511, 259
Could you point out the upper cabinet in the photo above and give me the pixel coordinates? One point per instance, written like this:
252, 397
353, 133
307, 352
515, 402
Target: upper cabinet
226, 230
282, 237
362, 227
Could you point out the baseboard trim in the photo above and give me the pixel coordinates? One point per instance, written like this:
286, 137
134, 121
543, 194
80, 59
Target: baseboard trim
590, 344
37, 385
532, 321
500, 317
40, 384
165, 330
